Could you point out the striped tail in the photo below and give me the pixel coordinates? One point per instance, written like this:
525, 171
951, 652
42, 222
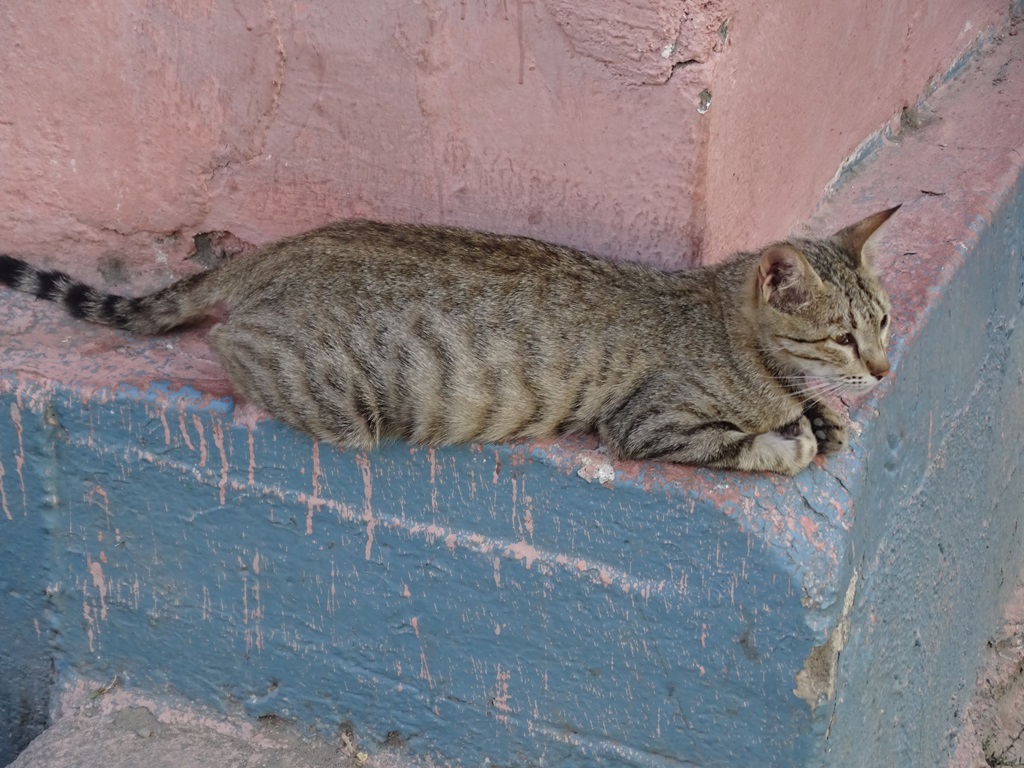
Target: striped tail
178, 304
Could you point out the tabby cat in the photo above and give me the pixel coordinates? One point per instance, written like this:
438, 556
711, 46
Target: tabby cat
361, 331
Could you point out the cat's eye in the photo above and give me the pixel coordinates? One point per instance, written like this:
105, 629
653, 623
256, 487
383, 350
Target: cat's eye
884, 322
846, 340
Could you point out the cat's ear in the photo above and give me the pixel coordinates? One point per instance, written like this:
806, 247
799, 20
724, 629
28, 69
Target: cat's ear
859, 239
785, 279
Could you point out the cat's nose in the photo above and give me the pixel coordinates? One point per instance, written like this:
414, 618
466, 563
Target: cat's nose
879, 368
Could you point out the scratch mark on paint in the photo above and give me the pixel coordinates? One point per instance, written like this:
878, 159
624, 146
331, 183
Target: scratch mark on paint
203, 456
930, 417
257, 616
218, 440
497, 467
371, 524
497, 572
332, 594
501, 695
424, 667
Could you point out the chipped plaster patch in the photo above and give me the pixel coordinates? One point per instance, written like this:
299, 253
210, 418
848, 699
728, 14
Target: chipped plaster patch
817, 680
641, 42
598, 470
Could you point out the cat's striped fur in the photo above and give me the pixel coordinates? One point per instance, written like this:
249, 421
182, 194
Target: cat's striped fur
360, 332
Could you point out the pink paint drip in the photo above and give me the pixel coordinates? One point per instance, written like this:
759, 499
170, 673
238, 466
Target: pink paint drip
90, 625
432, 458
364, 467
184, 431
98, 491
3, 494
96, 571
203, 455
252, 457
218, 440
315, 501
527, 510
19, 459
515, 501
163, 421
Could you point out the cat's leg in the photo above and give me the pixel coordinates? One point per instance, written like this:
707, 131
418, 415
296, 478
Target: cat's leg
829, 428
718, 444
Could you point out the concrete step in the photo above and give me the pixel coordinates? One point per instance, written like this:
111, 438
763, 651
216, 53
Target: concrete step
116, 729
538, 604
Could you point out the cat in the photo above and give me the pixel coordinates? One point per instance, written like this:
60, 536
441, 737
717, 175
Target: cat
362, 331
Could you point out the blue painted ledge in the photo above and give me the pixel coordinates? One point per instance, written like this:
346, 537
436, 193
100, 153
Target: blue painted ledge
481, 601
536, 605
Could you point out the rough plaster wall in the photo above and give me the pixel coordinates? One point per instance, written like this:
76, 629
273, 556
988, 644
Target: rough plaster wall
558, 119
128, 128
801, 85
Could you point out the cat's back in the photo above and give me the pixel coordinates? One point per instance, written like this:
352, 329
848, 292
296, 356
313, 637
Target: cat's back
379, 249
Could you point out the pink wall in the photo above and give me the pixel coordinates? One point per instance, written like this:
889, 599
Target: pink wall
127, 127
802, 84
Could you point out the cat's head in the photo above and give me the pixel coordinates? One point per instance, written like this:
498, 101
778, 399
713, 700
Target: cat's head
821, 312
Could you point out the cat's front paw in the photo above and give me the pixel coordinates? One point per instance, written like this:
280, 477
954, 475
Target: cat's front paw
804, 444
829, 429
786, 450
